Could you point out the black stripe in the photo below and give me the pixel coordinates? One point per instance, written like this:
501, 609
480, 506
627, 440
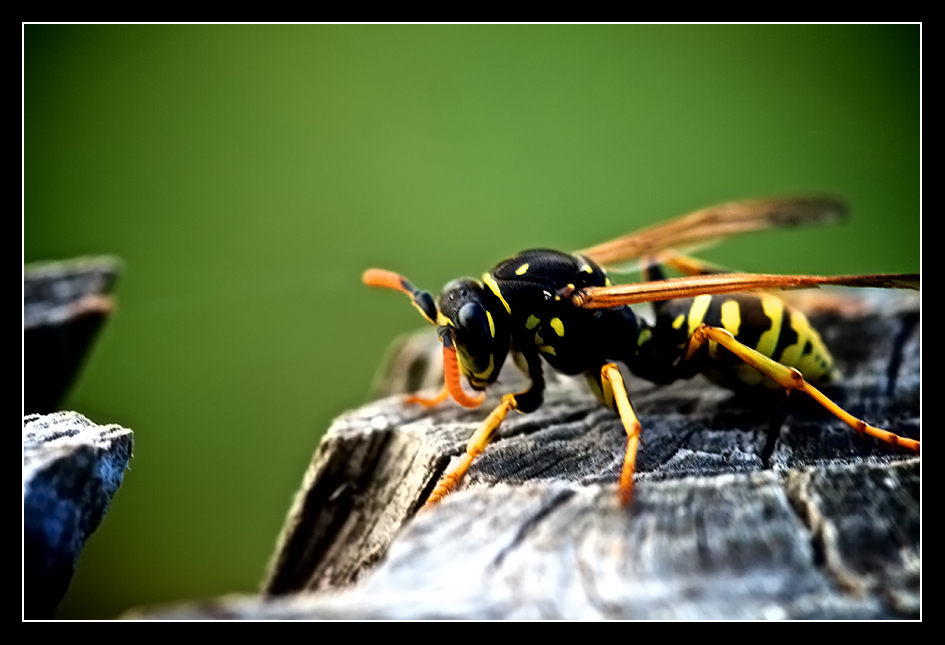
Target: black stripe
787, 337
754, 320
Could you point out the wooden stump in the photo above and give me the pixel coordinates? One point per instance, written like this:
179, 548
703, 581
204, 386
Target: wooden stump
741, 510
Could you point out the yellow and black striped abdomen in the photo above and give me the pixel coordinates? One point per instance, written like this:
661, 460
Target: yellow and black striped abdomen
760, 321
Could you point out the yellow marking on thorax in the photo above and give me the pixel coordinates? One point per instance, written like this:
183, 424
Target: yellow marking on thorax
494, 286
532, 322
731, 317
584, 265
522, 269
542, 347
557, 325
644, 336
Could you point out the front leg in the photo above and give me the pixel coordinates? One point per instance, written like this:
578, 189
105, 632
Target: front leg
526, 401
416, 399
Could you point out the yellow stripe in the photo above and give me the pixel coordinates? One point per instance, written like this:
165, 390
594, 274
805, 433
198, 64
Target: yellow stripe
731, 317
774, 309
700, 305
522, 269
818, 365
792, 353
492, 284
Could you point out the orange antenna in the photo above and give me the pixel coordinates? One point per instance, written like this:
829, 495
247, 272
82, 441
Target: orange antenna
422, 300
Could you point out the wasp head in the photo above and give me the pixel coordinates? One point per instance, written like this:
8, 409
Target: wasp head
476, 323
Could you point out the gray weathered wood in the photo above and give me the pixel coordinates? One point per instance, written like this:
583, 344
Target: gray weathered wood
825, 526
71, 470
65, 304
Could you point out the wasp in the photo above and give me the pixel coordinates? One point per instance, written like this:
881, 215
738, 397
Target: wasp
546, 306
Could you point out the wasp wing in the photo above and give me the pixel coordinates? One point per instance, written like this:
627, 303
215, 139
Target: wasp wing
687, 287
715, 222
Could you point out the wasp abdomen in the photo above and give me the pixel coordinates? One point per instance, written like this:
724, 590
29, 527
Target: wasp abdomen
759, 321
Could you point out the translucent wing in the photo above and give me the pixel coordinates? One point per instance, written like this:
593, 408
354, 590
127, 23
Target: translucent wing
709, 224
687, 287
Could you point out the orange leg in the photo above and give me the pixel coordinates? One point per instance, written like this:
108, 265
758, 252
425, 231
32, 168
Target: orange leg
615, 394
428, 403
790, 379
477, 443
452, 388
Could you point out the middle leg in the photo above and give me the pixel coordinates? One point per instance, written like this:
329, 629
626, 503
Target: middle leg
615, 395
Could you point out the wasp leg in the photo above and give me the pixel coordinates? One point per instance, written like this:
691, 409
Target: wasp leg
615, 395
790, 379
527, 401
414, 399
452, 386
477, 443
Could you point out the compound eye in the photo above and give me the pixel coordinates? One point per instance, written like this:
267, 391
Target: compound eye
472, 320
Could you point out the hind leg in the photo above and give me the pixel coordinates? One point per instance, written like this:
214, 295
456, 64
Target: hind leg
790, 379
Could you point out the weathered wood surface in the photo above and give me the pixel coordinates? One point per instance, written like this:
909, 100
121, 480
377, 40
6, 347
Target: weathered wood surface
65, 304
822, 523
71, 470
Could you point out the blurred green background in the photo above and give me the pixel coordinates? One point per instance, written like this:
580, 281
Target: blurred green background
247, 175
